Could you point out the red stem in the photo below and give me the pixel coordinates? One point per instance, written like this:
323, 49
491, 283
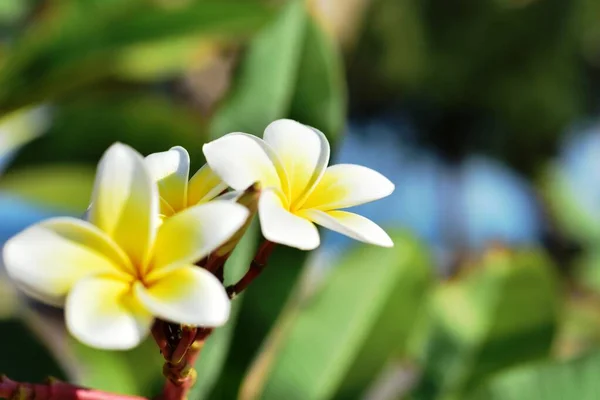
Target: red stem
256, 267
181, 375
54, 390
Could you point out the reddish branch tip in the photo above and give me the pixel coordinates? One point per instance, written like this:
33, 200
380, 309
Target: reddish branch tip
54, 390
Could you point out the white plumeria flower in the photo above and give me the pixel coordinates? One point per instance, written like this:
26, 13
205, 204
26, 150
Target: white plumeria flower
119, 270
171, 170
299, 188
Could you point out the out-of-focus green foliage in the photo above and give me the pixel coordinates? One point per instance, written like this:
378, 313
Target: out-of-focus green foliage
63, 188
296, 71
21, 126
339, 337
577, 379
502, 313
24, 355
78, 43
212, 363
135, 372
503, 68
572, 217
84, 128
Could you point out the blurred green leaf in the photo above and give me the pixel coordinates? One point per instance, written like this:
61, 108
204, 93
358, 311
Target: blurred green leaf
21, 126
577, 379
79, 44
65, 188
24, 357
291, 70
502, 313
320, 96
85, 128
265, 85
568, 210
134, 372
212, 361
341, 336
160, 59
262, 304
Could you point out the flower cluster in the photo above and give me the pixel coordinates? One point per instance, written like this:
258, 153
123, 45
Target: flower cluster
133, 258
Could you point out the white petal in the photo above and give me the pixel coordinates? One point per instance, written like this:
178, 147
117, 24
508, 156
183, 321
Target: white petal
104, 313
48, 258
125, 201
347, 185
188, 236
204, 186
241, 159
170, 170
187, 295
304, 153
352, 225
280, 226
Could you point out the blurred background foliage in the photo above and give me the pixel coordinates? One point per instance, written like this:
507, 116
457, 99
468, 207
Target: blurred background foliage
484, 113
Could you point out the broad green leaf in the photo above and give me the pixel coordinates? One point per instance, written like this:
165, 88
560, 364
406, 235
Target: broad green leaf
320, 95
212, 359
162, 59
264, 88
80, 43
134, 372
573, 380
318, 345
504, 312
292, 69
64, 188
263, 302
84, 128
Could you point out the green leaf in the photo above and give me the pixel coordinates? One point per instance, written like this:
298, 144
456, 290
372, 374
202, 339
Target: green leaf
320, 96
212, 359
570, 212
84, 128
22, 126
24, 356
133, 372
63, 187
347, 330
265, 86
577, 379
291, 70
502, 313
263, 303
80, 43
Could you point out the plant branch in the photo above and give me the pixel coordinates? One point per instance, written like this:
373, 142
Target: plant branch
53, 390
179, 367
257, 265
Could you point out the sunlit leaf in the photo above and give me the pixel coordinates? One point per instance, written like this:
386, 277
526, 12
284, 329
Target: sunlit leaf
134, 372
61, 187
502, 313
78, 46
264, 88
577, 379
341, 336
320, 95
292, 69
